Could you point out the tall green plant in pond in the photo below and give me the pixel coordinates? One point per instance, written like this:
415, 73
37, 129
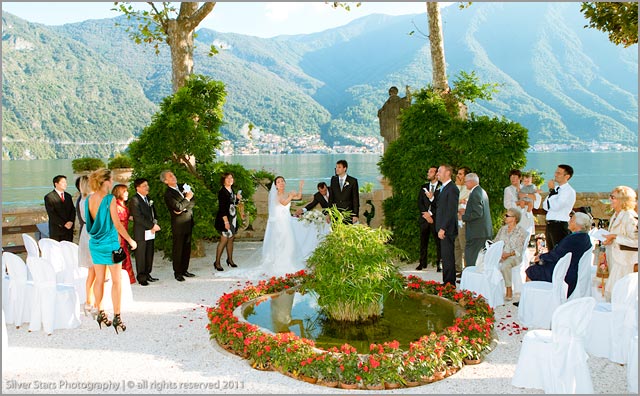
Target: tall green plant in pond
354, 270
431, 135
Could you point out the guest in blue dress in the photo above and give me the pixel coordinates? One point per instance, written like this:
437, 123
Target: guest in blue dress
104, 226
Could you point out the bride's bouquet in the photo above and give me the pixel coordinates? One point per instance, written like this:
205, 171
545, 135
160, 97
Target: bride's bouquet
313, 217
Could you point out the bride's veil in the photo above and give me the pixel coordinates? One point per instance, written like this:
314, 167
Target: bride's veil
273, 198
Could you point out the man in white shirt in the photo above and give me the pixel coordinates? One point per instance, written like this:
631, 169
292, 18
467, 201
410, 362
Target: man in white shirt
559, 205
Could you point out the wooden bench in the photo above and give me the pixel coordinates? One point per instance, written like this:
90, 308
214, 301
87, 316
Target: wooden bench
12, 230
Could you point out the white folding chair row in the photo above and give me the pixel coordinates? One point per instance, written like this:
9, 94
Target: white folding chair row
518, 275
20, 290
55, 306
70, 253
488, 283
52, 250
539, 299
555, 360
614, 324
31, 245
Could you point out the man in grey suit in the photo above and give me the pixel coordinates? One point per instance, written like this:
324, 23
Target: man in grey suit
477, 218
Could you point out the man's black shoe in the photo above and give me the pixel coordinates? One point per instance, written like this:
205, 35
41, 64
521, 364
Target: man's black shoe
143, 283
439, 269
179, 278
152, 279
517, 303
418, 268
188, 274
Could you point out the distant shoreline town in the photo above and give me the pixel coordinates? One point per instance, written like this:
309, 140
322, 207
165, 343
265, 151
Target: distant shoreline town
268, 143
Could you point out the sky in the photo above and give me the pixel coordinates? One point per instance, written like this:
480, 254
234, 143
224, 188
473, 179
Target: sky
261, 19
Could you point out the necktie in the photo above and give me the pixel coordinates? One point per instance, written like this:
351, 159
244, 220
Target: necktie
146, 200
341, 183
62, 196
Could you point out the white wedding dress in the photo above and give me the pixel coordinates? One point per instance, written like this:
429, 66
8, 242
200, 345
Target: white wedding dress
287, 244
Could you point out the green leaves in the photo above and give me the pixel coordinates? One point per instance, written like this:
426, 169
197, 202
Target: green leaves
618, 19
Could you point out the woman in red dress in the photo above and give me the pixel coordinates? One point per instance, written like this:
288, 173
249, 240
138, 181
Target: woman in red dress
121, 194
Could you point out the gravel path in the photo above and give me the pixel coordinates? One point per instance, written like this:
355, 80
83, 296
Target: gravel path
166, 349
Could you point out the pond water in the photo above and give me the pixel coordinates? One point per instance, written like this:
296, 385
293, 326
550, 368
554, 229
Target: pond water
404, 319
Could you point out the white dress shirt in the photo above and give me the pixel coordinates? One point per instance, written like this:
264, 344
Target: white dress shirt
560, 205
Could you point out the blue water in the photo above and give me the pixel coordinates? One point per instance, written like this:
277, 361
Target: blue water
25, 182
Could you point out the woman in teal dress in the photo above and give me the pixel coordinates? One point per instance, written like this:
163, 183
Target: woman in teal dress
104, 226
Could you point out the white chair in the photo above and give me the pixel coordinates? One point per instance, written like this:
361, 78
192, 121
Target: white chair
126, 299
55, 306
518, 275
79, 280
612, 324
555, 360
488, 283
52, 251
539, 299
5, 286
583, 285
31, 245
20, 291
5, 338
632, 366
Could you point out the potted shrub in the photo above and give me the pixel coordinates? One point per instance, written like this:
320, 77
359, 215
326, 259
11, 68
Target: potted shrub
121, 168
86, 165
354, 270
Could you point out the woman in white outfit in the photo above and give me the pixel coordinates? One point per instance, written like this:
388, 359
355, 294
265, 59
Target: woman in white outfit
623, 232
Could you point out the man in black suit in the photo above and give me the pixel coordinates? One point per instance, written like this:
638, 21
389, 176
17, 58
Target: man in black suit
447, 222
145, 226
60, 209
343, 192
320, 198
477, 218
180, 203
427, 203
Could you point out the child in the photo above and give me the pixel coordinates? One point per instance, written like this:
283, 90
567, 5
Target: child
527, 191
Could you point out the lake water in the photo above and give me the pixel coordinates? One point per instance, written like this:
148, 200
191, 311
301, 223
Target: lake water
24, 183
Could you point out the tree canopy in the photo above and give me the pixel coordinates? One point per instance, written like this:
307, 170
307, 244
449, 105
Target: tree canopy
619, 20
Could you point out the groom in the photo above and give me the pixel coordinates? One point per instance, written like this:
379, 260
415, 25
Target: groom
343, 192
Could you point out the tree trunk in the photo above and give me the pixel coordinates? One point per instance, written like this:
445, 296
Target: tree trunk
436, 39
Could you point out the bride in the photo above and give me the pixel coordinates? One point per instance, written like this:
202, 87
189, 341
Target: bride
280, 255
282, 251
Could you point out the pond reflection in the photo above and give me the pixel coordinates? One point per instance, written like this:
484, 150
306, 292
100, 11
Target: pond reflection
404, 319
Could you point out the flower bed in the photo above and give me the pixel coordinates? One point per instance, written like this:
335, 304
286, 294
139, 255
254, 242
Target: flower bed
428, 359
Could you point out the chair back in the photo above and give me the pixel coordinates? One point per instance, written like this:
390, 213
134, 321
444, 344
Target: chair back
15, 267
52, 251
492, 257
70, 254
559, 286
583, 286
625, 292
572, 318
31, 245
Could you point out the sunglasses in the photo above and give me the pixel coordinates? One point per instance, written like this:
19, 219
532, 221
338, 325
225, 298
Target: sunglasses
508, 215
611, 196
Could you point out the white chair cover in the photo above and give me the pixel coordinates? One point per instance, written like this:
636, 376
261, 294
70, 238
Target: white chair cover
583, 286
52, 251
614, 324
518, 275
70, 251
126, 299
555, 360
55, 306
20, 292
488, 283
539, 299
5, 287
5, 338
31, 245
632, 366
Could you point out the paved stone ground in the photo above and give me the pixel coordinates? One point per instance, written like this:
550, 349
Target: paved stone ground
166, 348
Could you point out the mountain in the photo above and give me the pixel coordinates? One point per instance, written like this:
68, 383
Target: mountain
86, 89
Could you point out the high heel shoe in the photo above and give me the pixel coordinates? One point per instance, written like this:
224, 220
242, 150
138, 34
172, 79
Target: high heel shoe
117, 323
90, 310
102, 318
231, 263
217, 266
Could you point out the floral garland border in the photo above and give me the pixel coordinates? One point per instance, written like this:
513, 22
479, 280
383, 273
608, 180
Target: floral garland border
431, 358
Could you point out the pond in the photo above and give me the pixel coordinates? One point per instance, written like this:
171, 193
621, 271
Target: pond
404, 319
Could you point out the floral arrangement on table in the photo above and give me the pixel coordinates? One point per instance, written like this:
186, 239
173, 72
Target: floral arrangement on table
314, 217
428, 359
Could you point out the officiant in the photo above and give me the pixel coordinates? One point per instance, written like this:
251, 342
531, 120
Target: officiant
319, 198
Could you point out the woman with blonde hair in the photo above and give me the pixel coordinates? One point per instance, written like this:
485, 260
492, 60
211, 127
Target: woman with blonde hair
622, 237
104, 226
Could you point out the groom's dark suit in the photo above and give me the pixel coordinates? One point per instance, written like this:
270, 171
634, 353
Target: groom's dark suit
143, 219
345, 198
427, 230
181, 210
59, 214
447, 220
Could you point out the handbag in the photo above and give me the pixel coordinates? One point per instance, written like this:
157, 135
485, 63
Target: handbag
118, 256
